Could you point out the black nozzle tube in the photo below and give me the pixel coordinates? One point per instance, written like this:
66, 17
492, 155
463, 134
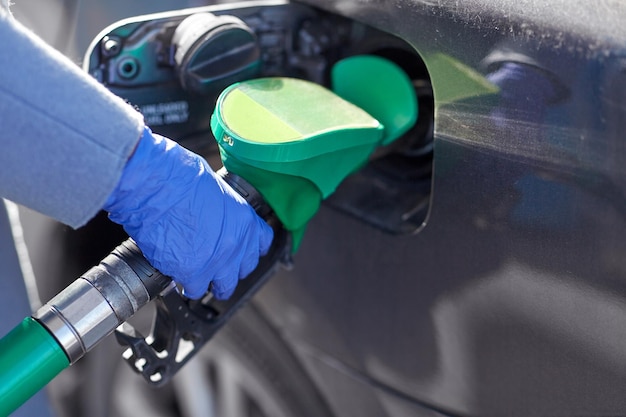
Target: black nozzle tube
107, 295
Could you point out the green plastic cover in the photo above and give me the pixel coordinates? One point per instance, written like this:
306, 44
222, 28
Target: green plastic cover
287, 119
296, 141
379, 87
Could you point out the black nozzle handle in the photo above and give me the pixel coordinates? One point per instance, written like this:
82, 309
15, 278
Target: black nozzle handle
104, 297
194, 322
107, 295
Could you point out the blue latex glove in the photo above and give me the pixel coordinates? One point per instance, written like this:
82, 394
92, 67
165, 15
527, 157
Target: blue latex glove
186, 220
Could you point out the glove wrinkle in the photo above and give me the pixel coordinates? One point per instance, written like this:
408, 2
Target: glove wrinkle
187, 221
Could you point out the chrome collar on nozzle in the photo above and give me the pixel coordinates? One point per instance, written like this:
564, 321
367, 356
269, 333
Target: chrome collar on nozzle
94, 305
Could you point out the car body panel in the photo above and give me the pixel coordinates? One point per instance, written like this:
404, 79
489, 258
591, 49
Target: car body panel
510, 299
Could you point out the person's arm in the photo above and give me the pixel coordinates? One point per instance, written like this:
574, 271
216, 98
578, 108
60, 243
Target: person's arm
66, 152
59, 128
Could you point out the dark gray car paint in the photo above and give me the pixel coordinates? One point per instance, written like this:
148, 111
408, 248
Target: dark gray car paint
510, 299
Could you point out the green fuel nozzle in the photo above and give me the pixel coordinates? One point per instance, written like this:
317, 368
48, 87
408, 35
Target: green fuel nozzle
291, 141
296, 141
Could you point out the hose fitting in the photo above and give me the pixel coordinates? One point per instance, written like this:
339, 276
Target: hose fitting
95, 304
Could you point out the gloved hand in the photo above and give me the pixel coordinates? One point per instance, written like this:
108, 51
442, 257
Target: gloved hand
186, 220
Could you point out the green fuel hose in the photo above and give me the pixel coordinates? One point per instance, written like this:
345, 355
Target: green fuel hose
74, 321
30, 357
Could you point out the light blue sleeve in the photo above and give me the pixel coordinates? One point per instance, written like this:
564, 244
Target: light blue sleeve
64, 138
